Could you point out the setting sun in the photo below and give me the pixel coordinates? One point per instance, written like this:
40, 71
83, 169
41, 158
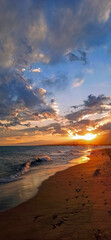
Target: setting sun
87, 136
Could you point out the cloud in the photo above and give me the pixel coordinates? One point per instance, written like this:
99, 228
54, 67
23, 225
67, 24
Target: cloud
36, 70
90, 70
52, 100
79, 23
105, 127
42, 92
77, 82
55, 82
46, 112
23, 69
91, 106
81, 57
19, 98
103, 11
61, 126
94, 101
23, 31
30, 31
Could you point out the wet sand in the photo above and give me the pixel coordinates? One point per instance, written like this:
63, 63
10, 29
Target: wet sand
74, 204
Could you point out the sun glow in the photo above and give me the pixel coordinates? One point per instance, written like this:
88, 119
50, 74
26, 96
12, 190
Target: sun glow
87, 136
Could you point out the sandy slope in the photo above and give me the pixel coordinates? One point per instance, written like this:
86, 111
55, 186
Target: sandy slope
73, 204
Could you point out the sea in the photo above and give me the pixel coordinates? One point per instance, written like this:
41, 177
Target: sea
24, 168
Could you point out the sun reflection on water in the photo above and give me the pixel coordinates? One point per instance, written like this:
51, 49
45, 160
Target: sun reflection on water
82, 159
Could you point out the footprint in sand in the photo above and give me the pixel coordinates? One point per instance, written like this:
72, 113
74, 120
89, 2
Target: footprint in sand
83, 204
67, 199
99, 235
78, 190
54, 216
59, 223
109, 212
105, 202
36, 218
96, 173
76, 197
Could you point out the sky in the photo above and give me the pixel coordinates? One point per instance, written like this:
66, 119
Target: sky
55, 72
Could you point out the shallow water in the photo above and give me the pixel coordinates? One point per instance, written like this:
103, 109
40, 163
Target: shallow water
20, 179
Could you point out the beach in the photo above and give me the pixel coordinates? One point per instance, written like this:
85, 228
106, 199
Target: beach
72, 204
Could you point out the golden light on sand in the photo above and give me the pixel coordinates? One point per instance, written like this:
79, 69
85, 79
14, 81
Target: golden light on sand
87, 136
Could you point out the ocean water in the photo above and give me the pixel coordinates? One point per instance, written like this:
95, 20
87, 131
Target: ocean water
23, 169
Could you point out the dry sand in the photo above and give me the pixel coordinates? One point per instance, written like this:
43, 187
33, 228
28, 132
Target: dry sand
74, 204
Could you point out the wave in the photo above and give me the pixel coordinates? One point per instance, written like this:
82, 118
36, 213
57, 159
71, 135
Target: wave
60, 153
23, 168
38, 160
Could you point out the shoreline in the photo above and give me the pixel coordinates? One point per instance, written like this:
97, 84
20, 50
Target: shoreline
59, 168
59, 205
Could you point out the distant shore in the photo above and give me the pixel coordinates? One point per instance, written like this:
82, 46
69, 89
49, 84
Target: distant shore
72, 204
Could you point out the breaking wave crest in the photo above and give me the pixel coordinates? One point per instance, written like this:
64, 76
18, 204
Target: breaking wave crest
23, 168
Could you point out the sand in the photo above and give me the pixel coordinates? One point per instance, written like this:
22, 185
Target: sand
74, 204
